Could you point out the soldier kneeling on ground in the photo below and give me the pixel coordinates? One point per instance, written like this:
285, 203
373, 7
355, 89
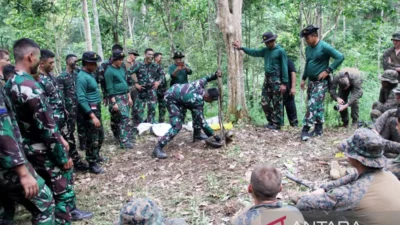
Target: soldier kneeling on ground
387, 98
265, 184
394, 167
144, 211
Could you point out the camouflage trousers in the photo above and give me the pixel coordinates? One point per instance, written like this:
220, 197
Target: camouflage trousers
271, 100
395, 169
115, 120
161, 104
68, 132
145, 97
390, 133
94, 135
80, 122
123, 126
40, 206
315, 103
133, 93
344, 94
59, 118
58, 180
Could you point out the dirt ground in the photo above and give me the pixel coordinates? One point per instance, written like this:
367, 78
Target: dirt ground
198, 183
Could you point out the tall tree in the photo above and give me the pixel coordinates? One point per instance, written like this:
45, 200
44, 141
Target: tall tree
97, 29
88, 32
229, 18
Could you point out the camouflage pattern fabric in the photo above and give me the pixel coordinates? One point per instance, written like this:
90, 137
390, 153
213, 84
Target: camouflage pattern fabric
124, 126
390, 54
395, 169
40, 206
385, 125
272, 214
271, 99
162, 105
186, 96
315, 105
387, 100
80, 124
94, 135
42, 141
115, 120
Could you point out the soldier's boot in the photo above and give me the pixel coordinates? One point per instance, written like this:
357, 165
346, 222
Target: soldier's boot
95, 168
102, 159
274, 127
345, 124
78, 214
304, 133
80, 166
318, 130
159, 153
198, 135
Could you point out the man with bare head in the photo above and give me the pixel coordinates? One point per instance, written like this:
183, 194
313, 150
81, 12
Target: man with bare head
265, 184
4, 61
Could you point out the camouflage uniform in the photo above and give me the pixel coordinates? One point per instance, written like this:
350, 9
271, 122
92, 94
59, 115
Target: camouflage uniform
40, 206
390, 60
385, 125
67, 84
355, 82
362, 195
186, 96
132, 89
272, 213
395, 169
146, 74
145, 212
162, 105
387, 98
42, 141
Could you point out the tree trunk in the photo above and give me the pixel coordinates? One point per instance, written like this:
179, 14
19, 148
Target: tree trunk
97, 29
88, 32
344, 29
125, 22
229, 18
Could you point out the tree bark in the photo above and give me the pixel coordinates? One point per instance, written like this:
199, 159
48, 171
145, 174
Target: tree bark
97, 29
88, 32
229, 18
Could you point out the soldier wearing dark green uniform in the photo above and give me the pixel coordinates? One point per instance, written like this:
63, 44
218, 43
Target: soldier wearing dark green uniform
147, 77
89, 101
348, 82
188, 96
42, 141
120, 99
19, 182
276, 78
161, 91
67, 85
316, 70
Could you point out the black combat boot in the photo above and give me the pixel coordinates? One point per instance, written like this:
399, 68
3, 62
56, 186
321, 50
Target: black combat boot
318, 130
304, 133
78, 214
95, 168
159, 153
80, 166
274, 127
102, 159
198, 135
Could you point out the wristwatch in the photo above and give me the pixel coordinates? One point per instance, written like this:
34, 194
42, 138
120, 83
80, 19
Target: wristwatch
328, 70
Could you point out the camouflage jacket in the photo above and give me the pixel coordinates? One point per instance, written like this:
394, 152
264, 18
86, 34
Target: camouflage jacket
380, 126
39, 132
387, 100
53, 92
11, 153
394, 63
355, 85
273, 213
100, 78
147, 74
67, 85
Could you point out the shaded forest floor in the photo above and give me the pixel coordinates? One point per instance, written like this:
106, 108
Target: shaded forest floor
199, 183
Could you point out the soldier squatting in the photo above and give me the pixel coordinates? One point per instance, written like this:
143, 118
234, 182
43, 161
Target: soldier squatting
40, 112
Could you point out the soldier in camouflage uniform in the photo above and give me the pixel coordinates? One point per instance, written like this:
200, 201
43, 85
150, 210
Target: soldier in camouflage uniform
349, 82
387, 99
145, 212
189, 96
372, 196
42, 142
130, 63
67, 85
4, 60
120, 99
147, 77
161, 91
276, 78
316, 70
265, 184
19, 182
391, 57
89, 101
394, 167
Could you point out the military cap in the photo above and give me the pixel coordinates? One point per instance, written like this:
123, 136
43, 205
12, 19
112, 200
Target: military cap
390, 76
213, 93
396, 36
178, 55
91, 57
117, 54
308, 30
268, 37
133, 52
365, 146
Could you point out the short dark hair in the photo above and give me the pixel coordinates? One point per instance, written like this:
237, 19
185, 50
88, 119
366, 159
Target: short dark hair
21, 46
3, 52
70, 56
147, 50
266, 182
46, 54
157, 54
117, 47
8, 71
